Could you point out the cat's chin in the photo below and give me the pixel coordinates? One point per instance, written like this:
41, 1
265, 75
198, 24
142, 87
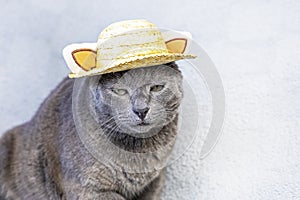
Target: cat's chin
141, 130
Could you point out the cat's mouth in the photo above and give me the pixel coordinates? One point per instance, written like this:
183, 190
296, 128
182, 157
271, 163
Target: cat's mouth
143, 124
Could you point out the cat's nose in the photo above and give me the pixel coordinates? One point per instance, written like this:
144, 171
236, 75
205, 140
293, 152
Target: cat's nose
141, 112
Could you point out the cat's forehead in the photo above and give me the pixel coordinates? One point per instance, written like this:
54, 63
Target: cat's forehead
139, 76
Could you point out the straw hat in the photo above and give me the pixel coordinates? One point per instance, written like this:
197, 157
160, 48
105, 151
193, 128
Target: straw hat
126, 45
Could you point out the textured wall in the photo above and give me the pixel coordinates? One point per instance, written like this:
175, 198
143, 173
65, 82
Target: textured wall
254, 45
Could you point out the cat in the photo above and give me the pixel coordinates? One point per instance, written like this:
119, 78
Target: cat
134, 111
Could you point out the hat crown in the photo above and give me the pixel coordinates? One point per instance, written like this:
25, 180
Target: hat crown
127, 39
121, 27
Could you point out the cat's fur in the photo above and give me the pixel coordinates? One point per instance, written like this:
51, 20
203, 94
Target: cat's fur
45, 158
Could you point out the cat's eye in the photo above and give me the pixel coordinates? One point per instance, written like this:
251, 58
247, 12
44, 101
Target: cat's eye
119, 91
156, 88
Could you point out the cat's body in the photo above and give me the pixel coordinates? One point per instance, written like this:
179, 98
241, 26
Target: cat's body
46, 159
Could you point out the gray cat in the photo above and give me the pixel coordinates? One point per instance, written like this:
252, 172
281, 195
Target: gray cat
132, 119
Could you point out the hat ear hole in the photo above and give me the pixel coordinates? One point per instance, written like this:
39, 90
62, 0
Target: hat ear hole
177, 45
85, 58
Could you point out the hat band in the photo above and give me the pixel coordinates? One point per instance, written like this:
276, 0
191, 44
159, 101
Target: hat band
133, 53
139, 52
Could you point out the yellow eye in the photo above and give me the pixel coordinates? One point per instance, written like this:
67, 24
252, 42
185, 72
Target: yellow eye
119, 91
156, 88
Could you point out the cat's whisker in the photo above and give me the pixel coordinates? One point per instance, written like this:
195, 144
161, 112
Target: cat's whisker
111, 131
107, 121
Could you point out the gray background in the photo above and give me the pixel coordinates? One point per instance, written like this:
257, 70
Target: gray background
254, 45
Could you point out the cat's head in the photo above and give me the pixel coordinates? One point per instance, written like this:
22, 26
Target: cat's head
139, 100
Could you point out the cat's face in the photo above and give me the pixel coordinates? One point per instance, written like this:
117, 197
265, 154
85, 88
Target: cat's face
139, 100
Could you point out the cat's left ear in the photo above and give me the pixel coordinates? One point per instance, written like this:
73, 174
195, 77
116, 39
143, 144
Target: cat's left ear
177, 41
80, 57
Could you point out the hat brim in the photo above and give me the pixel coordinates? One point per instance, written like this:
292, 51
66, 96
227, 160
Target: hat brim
134, 62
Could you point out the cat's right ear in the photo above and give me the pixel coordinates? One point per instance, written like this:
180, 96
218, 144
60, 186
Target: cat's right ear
80, 57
